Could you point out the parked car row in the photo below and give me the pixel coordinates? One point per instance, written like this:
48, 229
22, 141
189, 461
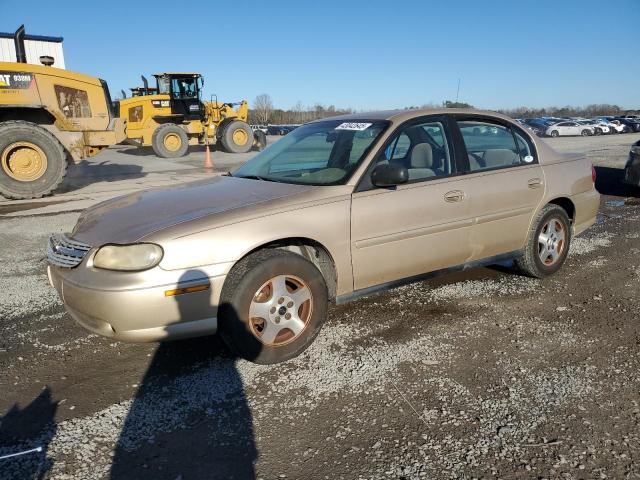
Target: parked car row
275, 129
558, 127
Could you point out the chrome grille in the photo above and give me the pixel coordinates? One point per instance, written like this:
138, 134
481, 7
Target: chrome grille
64, 252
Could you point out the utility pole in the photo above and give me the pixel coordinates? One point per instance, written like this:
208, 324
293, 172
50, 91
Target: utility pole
458, 91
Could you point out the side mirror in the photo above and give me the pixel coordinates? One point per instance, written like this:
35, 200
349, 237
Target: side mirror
389, 175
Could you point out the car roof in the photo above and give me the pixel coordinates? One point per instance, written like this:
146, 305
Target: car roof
398, 116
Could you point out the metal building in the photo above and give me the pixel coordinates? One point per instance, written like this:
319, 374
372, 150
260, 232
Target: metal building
34, 47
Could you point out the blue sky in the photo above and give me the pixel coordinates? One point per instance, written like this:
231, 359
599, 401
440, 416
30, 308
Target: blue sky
359, 54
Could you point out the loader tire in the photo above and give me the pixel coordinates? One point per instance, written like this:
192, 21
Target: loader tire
32, 160
237, 137
170, 141
259, 140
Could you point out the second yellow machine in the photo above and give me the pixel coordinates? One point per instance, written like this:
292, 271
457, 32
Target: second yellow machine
176, 117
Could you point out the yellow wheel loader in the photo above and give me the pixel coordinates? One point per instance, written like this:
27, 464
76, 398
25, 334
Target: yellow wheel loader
176, 117
49, 118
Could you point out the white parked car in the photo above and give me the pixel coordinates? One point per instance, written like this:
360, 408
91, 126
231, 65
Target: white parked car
262, 128
598, 127
614, 125
569, 128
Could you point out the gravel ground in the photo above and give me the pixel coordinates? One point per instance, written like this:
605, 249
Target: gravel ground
481, 374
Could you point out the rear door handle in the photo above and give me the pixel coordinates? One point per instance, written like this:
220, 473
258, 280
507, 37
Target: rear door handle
535, 182
454, 196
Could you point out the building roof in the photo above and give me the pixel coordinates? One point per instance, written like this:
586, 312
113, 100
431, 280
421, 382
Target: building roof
39, 38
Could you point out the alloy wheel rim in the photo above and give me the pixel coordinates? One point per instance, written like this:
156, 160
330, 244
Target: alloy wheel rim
24, 161
172, 142
551, 242
280, 310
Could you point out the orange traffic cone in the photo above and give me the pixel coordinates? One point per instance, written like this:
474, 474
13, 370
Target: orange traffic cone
208, 164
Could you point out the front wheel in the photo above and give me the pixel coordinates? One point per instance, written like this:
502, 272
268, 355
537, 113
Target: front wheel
554, 133
272, 307
547, 244
32, 160
170, 141
585, 133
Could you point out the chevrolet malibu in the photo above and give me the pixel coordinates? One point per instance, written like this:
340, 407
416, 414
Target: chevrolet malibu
336, 210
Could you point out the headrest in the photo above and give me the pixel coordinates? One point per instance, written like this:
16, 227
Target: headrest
422, 156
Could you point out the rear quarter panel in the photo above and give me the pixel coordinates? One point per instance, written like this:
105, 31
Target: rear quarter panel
570, 176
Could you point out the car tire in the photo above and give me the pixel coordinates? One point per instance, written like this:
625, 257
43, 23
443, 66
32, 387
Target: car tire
237, 137
42, 160
269, 283
554, 133
585, 133
170, 141
547, 244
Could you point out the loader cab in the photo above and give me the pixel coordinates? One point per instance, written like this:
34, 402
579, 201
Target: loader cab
184, 90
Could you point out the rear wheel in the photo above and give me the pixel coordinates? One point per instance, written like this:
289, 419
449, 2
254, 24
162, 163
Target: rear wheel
32, 160
547, 244
554, 133
585, 133
259, 140
237, 137
272, 307
170, 141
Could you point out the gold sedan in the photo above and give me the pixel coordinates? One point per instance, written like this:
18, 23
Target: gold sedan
337, 209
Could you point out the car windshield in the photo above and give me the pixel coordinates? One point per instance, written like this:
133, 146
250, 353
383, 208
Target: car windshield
319, 153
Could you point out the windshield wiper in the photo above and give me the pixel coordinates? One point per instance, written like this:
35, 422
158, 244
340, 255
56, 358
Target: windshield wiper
258, 177
250, 177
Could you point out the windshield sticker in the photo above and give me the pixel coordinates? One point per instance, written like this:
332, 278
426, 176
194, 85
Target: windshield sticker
353, 126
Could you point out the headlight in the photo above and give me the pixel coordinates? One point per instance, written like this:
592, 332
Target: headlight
140, 256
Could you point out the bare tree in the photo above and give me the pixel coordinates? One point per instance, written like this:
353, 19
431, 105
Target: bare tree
263, 106
298, 112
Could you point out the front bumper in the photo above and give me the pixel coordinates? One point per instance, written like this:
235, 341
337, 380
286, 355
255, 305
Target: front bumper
142, 312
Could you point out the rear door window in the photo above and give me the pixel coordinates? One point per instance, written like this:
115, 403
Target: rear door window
489, 145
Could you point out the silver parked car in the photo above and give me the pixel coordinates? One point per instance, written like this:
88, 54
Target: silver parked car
337, 209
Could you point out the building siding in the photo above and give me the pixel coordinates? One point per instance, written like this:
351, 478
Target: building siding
34, 50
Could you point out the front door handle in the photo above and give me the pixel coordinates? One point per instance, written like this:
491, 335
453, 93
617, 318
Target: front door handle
535, 182
454, 196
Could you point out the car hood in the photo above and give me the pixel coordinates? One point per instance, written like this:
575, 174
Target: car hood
129, 218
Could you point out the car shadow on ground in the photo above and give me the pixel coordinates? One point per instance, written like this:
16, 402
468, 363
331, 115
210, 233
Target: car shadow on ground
609, 181
25, 434
86, 173
190, 417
